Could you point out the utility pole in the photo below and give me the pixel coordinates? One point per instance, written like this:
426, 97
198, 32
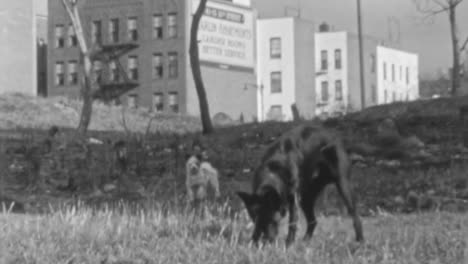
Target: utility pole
361, 56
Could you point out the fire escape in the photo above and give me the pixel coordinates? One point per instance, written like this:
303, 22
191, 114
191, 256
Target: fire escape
110, 90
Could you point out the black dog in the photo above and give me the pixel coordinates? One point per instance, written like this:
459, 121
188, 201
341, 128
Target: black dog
295, 169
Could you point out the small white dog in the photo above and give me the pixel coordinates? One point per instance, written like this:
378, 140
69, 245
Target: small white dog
199, 174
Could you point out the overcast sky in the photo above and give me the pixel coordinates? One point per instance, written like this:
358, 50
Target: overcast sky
430, 41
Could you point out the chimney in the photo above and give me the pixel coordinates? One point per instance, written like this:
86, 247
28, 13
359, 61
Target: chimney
324, 27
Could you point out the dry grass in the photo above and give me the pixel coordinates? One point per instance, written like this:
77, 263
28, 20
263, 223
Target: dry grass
83, 236
20, 111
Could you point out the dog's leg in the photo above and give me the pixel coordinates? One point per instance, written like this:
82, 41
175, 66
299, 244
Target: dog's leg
309, 197
344, 188
293, 217
293, 200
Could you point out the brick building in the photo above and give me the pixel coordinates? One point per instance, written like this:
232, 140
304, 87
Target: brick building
160, 63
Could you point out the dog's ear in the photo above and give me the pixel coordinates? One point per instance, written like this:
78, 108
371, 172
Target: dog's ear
251, 202
329, 152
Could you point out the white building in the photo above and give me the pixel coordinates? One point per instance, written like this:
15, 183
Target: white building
390, 74
285, 68
397, 77
18, 47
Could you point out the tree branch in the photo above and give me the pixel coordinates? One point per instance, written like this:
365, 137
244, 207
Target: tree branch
463, 47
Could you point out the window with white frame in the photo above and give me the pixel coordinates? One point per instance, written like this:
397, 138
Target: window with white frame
174, 102
132, 101
324, 60
114, 30
172, 25
59, 73
173, 65
276, 113
324, 91
59, 36
96, 32
157, 26
72, 72
275, 48
276, 82
114, 73
158, 102
97, 67
72, 39
338, 90
157, 66
132, 29
338, 59
132, 67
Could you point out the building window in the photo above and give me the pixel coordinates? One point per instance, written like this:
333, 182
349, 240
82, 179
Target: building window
374, 93
173, 102
172, 25
393, 96
114, 30
133, 68
385, 96
158, 102
338, 59
323, 60
97, 67
132, 29
132, 101
338, 90
96, 30
72, 40
157, 26
59, 36
393, 72
72, 73
324, 91
275, 48
407, 75
114, 73
59, 74
157, 66
372, 63
385, 71
173, 65
276, 113
276, 82
401, 73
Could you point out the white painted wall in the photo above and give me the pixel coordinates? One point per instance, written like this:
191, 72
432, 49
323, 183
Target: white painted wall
18, 66
284, 29
243, 2
399, 86
330, 41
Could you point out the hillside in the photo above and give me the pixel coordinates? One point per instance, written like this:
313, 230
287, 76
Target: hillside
395, 176
20, 111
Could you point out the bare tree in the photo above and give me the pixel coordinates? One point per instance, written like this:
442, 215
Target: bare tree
196, 71
87, 82
431, 8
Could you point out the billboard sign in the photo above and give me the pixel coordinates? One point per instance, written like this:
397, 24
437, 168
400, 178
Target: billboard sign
226, 35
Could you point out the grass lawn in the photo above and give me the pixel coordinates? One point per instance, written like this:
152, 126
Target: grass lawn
175, 236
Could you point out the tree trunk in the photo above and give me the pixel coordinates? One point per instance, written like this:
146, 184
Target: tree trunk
196, 71
87, 83
455, 50
87, 109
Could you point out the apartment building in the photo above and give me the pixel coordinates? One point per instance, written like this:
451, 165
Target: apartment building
285, 68
390, 75
160, 64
